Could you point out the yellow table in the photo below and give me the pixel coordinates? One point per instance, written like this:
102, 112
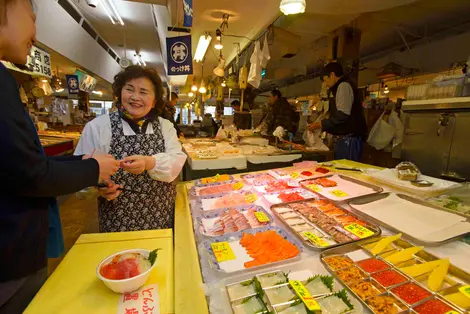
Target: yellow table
74, 287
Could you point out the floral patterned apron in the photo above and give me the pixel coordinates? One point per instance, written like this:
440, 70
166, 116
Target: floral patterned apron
154, 208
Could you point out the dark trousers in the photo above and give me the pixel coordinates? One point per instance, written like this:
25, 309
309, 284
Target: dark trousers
349, 147
25, 293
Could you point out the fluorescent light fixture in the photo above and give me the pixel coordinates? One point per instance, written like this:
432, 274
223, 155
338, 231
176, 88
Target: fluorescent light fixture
44, 80
113, 6
292, 6
194, 88
97, 92
60, 90
108, 13
178, 80
204, 42
191, 94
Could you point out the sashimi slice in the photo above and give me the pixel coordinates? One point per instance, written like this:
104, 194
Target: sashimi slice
332, 305
317, 287
296, 309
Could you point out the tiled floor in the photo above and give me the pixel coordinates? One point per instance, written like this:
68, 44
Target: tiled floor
78, 216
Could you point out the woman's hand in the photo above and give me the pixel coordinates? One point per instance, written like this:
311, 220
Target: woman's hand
137, 164
314, 126
111, 192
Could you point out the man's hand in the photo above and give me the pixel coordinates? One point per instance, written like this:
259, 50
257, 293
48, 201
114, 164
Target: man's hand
111, 192
314, 126
137, 164
108, 166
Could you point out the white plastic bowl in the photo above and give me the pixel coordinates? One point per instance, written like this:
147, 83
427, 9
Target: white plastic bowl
130, 284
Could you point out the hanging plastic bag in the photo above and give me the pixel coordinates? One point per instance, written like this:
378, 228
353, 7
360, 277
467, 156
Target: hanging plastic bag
265, 55
381, 134
394, 120
254, 77
313, 140
221, 134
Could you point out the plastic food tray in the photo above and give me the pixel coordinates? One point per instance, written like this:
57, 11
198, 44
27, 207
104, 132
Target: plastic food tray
233, 237
242, 209
357, 252
273, 198
322, 237
296, 173
256, 287
405, 204
194, 191
251, 178
199, 181
347, 188
204, 203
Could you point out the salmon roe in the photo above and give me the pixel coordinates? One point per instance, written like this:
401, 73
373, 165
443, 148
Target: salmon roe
388, 278
373, 265
433, 307
411, 293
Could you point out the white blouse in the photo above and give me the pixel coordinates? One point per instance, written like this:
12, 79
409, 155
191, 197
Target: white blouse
96, 137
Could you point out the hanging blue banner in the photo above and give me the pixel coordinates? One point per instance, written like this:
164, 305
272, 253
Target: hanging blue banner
179, 56
73, 84
188, 13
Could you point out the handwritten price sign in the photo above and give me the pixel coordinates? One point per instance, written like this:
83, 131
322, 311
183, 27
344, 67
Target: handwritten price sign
222, 251
251, 198
238, 186
143, 301
465, 290
294, 175
314, 187
315, 239
261, 217
339, 193
358, 230
304, 295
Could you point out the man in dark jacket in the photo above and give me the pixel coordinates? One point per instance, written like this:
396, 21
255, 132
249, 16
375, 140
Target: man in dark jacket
280, 113
29, 180
170, 111
346, 122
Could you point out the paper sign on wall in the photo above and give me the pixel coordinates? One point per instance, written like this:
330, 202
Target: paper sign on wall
143, 301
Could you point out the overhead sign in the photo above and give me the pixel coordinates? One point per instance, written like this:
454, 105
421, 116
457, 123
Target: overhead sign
188, 13
73, 84
87, 82
179, 56
39, 62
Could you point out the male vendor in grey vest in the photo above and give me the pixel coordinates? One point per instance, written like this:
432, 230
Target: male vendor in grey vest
346, 122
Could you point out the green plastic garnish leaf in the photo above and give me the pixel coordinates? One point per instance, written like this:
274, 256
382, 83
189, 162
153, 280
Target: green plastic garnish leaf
328, 281
343, 295
153, 256
247, 299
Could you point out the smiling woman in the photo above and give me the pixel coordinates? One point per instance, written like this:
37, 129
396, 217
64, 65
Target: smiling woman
150, 153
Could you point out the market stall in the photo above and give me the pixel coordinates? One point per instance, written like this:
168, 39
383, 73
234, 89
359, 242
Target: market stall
320, 216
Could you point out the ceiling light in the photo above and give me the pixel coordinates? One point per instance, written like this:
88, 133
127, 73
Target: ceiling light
44, 80
113, 6
194, 88
223, 84
204, 42
191, 94
108, 13
202, 89
386, 90
219, 70
292, 6
97, 92
60, 90
219, 46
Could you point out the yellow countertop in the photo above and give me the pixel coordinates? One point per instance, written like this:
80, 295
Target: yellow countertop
74, 287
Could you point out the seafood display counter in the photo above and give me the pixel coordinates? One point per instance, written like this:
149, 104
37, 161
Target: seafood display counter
277, 242
54, 146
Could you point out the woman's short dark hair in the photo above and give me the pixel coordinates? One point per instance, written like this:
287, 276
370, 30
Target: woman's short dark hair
134, 72
276, 93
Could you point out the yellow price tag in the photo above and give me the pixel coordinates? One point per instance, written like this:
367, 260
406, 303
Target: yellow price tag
238, 186
251, 198
465, 290
360, 231
315, 239
222, 251
217, 177
294, 175
314, 187
261, 217
339, 193
304, 295
452, 312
